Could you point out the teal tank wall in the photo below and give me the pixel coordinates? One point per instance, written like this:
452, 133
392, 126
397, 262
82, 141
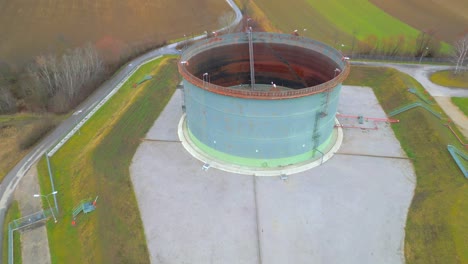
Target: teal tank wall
287, 118
259, 129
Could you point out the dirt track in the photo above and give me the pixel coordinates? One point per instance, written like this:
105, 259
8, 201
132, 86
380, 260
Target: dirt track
33, 27
448, 18
458, 117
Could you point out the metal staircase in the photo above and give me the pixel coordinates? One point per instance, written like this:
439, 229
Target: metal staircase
414, 105
455, 153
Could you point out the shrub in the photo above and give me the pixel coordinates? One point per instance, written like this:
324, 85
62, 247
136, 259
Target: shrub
37, 131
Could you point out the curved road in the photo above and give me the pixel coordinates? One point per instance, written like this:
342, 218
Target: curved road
421, 73
7, 187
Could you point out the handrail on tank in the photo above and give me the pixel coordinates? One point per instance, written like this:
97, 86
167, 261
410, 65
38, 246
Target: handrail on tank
258, 37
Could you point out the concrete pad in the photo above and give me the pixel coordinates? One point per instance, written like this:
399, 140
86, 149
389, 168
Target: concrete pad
193, 216
352, 209
355, 100
35, 246
34, 241
170, 116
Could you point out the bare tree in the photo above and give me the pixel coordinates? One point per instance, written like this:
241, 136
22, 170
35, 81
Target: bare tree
369, 45
353, 42
32, 95
225, 21
393, 45
244, 7
69, 78
460, 52
7, 101
427, 44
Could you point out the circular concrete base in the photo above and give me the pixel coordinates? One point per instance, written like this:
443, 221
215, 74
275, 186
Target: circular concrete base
211, 161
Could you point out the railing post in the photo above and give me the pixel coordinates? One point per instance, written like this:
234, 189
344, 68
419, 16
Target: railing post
10, 244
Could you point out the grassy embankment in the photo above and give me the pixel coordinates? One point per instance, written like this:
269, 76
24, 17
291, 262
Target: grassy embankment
338, 22
13, 213
447, 78
96, 163
462, 103
437, 224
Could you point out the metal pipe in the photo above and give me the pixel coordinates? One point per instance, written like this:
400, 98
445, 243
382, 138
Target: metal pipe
453, 132
321, 162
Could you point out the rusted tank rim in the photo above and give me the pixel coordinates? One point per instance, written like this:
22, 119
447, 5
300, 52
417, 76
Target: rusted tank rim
262, 95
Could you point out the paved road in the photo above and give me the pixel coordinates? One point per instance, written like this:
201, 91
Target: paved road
12, 179
421, 73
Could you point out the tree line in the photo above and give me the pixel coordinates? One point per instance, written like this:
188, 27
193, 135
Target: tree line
58, 82
52, 83
460, 54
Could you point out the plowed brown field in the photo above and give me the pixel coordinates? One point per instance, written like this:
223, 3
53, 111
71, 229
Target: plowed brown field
447, 18
28, 28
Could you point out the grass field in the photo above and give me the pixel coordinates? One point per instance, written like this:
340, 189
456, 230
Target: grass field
462, 103
447, 78
437, 224
96, 163
12, 213
338, 22
55, 25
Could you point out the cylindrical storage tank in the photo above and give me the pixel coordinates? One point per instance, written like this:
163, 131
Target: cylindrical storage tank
287, 117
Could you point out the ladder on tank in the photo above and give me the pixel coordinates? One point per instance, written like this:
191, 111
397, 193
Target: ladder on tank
319, 115
251, 59
315, 134
328, 92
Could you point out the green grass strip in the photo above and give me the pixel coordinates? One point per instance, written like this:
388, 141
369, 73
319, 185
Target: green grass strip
437, 223
449, 79
12, 213
96, 163
355, 15
461, 103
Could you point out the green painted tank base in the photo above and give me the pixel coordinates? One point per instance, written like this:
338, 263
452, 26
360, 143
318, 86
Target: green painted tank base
259, 167
260, 163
